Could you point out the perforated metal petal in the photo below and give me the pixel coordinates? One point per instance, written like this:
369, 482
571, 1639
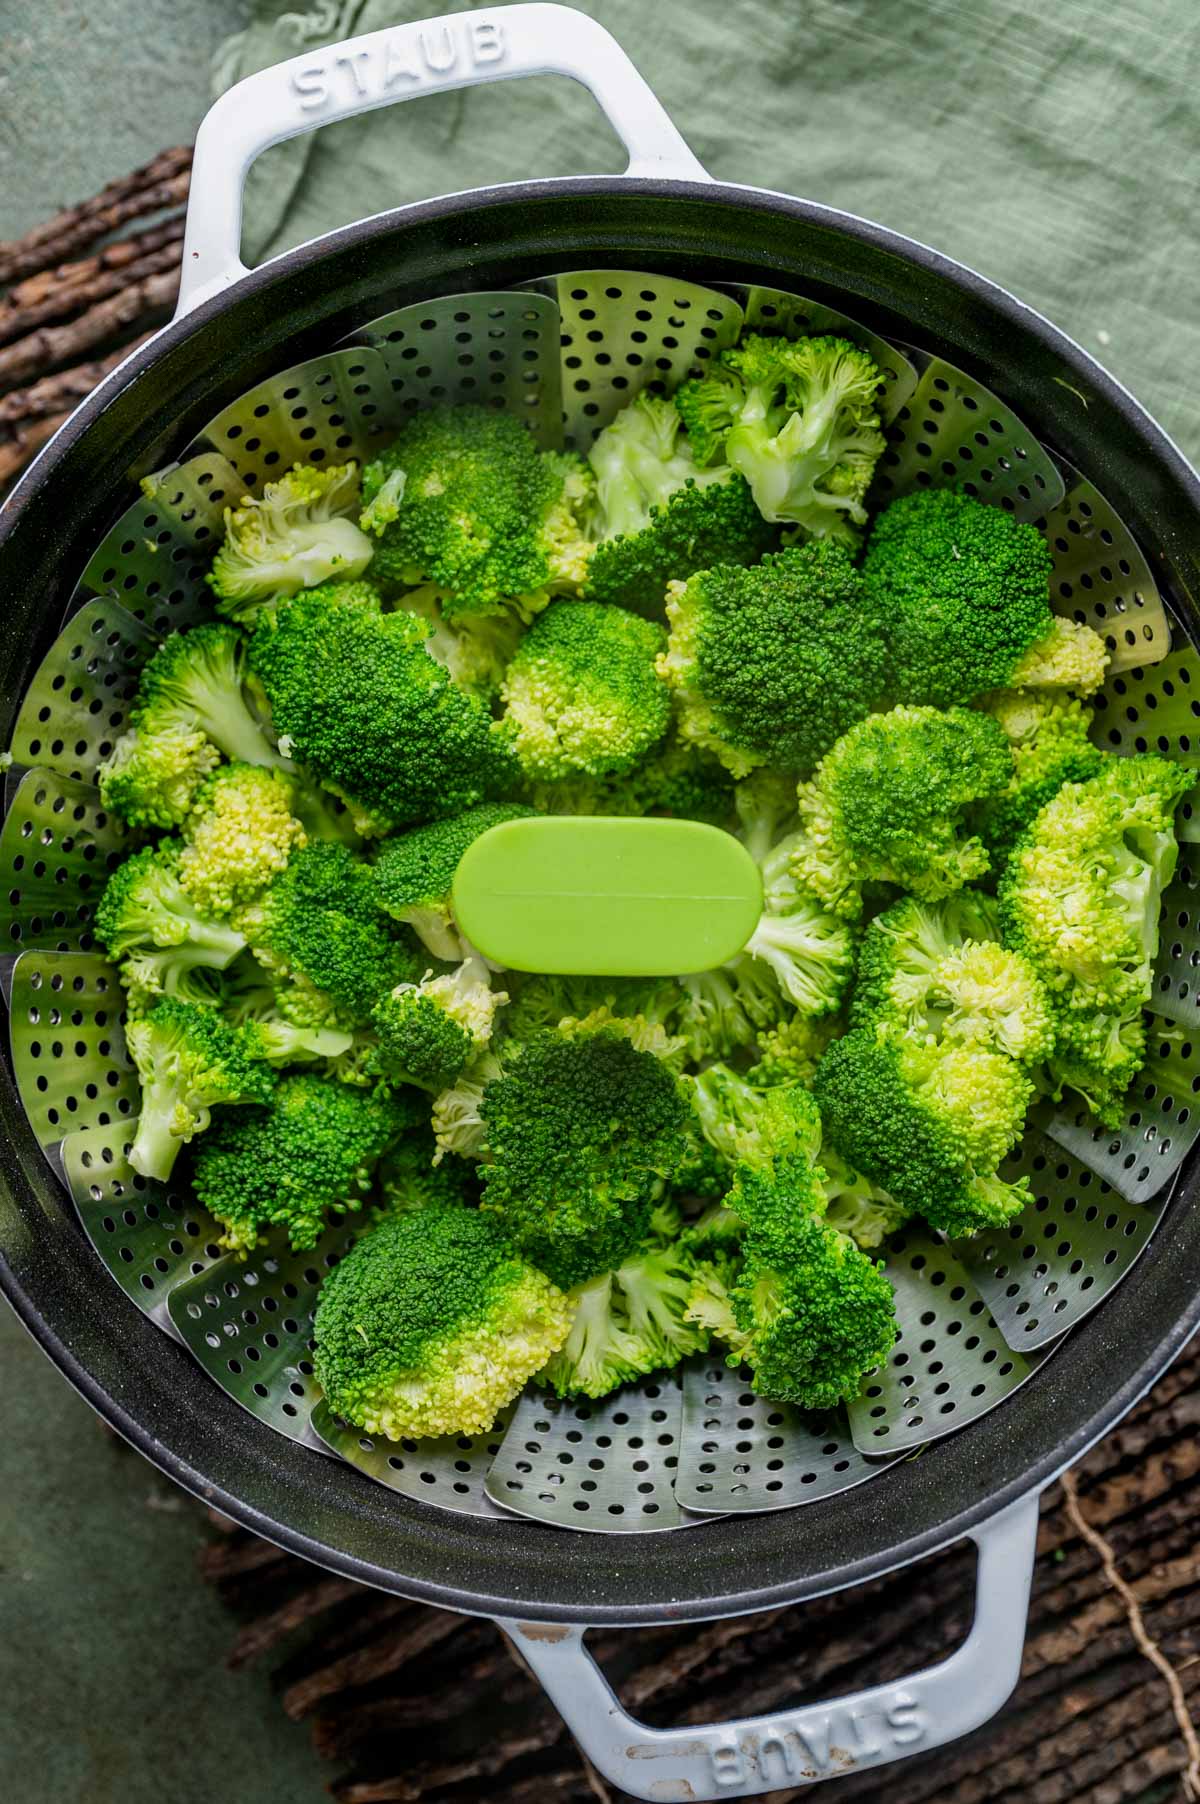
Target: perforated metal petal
608, 1466
155, 559
954, 430
740, 1452
496, 350
1102, 579
623, 331
1153, 708
1177, 967
774, 310
327, 410
1160, 1124
150, 1236
67, 1045
77, 705
249, 1323
450, 1472
57, 847
950, 1364
1064, 1253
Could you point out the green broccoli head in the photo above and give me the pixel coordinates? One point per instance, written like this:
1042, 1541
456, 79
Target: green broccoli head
238, 836
414, 872
188, 1059
296, 535
307, 1155
964, 589
1048, 732
770, 665
582, 1130
581, 695
889, 801
929, 1124
464, 499
432, 1323
194, 684
356, 697
430, 1031
150, 778
798, 418
146, 914
808, 948
628, 1323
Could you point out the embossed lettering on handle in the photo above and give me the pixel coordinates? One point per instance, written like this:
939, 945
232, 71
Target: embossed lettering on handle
410, 58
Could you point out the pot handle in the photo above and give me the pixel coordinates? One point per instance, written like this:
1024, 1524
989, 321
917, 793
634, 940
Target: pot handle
792, 1747
456, 51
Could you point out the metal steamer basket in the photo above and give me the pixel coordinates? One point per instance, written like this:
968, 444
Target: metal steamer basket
559, 300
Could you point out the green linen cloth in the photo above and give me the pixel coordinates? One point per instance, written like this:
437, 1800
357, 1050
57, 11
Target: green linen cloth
1056, 148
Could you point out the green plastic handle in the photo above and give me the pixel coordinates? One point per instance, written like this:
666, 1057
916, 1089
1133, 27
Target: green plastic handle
602, 896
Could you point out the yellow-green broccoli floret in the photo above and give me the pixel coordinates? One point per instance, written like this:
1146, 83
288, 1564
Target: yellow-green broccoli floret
628, 1323
964, 589
581, 694
414, 872
188, 1059
798, 418
1048, 732
297, 534
150, 778
147, 917
238, 835
430, 1031
432, 1323
789, 1052
769, 665
889, 801
856, 1206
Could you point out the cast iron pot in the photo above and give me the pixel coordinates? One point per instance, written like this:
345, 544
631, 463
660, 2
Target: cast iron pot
235, 327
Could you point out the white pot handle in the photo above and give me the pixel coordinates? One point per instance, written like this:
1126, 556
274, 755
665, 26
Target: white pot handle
456, 51
765, 1753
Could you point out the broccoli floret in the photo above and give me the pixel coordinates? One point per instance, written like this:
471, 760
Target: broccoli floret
809, 949
888, 802
465, 500
297, 534
627, 1323
1048, 733
753, 1127
238, 836
798, 419
308, 1154
188, 1060
429, 1032
937, 972
412, 1176
193, 684
1080, 898
790, 1052
146, 912
432, 1323
929, 1124
856, 1206
355, 695
247, 997
580, 693
414, 872
151, 778
678, 779
725, 1011
473, 648
319, 931
582, 1130
964, 591
770, 665
457, 1114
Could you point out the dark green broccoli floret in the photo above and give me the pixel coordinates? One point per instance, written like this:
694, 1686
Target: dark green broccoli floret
308, 1154
964, 591
888, 803
582, 1131
188, 1060
429, 1032
431, 1324
297, 534
465, 499
581, 694
354, 694
147, 917
770, 665
193, 684
414, 872
798, 419
1048, 732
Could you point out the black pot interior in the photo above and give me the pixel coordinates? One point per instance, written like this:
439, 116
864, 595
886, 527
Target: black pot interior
145, 1384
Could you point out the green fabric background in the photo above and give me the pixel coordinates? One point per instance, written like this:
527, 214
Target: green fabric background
1056, 148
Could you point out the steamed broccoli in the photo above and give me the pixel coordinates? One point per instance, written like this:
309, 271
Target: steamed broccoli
432, 1323
297, 534
473, 648
1048, 732
888, 802
414, 872
798, 419
412, 1176
308, 1154
151, 778
146, 912
238, 835
789, 1052
677, 779
659, 515
581, 694
758, 1128
770, 665
464, 499
964, 591
188, 1059
355, 695
430, 1031
856, 1206
809, 949
627, 1323
193, 684
725, 1011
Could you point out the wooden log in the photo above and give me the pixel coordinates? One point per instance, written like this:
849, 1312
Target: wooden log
158, 185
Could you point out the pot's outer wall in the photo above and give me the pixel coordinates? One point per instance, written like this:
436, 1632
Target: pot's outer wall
148, 1387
